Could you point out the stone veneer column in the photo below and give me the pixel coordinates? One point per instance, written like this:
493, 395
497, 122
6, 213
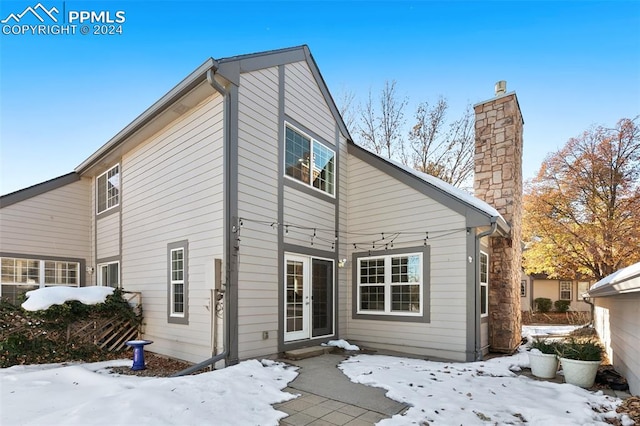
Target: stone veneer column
498, 181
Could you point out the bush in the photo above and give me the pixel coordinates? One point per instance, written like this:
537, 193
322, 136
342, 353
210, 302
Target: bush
545, 346
562, 305
588, 349
543, 304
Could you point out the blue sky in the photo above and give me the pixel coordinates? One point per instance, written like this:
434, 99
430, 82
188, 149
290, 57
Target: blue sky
572, 65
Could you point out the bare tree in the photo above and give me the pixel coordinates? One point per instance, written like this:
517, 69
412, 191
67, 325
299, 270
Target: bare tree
380, 129
460, 151
346, 107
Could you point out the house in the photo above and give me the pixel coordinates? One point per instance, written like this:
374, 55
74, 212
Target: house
240, 208
616, 318
570, 289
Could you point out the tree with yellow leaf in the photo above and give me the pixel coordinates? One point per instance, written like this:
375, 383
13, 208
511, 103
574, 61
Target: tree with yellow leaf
582, 210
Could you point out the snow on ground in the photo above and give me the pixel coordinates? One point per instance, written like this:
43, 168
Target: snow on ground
84, 394
43, 298
530, 331
478, 393
341, 344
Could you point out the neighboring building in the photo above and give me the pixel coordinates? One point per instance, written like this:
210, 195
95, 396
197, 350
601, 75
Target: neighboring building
526, 290
561, 289
616, 318
240, 208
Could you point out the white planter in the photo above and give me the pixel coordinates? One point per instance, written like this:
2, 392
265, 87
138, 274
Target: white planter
579, 373
543, 365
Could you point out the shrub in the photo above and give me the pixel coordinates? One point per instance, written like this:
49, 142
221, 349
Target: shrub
543, 304
545, 346
588, 349
562, 305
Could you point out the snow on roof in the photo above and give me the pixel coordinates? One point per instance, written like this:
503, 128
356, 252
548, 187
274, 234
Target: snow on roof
443, 186
621, 281
42, 298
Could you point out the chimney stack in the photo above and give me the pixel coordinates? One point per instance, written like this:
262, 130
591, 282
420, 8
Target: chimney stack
498, 181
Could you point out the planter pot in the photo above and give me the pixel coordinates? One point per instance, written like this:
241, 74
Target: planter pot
579, 373
543, 365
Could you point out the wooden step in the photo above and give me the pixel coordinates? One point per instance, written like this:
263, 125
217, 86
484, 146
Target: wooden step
309, 352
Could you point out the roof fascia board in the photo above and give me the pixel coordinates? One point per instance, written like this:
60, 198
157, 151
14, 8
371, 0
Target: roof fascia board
185, 86
474, 217
38, 189
628, 285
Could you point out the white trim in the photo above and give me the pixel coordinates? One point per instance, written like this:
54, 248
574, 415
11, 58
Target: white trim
484, 284
106, 265
388, 284
41, 279
311, 141
114, 182
172, 312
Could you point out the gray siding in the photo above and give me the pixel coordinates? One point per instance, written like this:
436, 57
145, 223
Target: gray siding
172, 190
258, 199
108, 236
617, 320
55, 223
305, 209
380, 203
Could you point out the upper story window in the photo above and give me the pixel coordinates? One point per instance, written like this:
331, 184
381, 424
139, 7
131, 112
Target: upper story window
309, 161
108, 189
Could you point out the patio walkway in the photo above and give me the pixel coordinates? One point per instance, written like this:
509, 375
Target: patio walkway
328, 397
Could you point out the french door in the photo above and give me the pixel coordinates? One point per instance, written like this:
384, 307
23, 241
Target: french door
308, 300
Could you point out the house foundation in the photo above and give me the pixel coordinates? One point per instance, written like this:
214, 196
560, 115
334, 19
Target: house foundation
498, 181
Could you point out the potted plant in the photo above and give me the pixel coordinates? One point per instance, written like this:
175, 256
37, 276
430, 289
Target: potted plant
580, 359
543, 358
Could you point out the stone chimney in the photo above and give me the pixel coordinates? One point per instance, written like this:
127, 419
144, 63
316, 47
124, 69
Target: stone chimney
498, 181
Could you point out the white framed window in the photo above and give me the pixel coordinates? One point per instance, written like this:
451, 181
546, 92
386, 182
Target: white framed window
484, 284
40, 272
108, 189
391, 284
566, 290
583, 287
19, 275
309, 161
109, 274
523, 288
178, 282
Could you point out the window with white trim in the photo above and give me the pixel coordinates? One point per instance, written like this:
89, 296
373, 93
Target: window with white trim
484, 284
566, 288
19, 275
583, 287
391, 285
109, 274
309, 161
108, 189
178, 282
523, 288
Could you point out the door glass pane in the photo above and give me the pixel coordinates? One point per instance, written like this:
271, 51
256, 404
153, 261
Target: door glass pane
295, 302
322, 288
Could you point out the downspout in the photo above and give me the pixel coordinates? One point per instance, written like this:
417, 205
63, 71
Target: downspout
222, 292
593, 308
494, 227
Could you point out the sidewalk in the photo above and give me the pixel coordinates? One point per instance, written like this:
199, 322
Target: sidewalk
328, 397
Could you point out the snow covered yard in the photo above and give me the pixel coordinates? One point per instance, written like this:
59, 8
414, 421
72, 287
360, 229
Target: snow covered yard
86, 394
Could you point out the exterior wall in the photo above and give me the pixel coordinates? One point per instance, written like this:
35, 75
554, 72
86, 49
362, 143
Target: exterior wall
379, 203
172, 190
526, 302
258, 200
108, 236
56, 223
617, 321
551, 290
498, 181
267, 200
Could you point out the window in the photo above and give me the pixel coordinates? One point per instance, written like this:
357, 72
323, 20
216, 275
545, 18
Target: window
109, 274
309, 161
178, 282
566, 290
391, 284
484, 284
108, 189
19, 275
523, 288
583, 287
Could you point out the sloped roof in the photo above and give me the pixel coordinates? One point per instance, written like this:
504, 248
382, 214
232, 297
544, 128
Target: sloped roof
626, 280
442, 190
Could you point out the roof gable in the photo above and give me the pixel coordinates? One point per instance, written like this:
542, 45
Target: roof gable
477, 212
38, 189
